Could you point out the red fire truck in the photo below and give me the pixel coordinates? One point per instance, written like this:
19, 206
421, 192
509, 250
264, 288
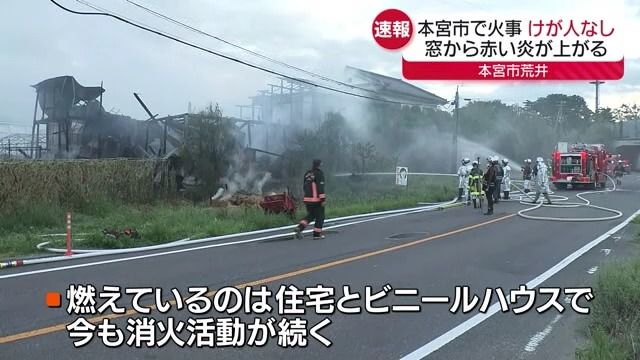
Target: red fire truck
579, 165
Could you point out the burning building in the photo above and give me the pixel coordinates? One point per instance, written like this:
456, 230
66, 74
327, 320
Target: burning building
73, 124
291, 104
70, 123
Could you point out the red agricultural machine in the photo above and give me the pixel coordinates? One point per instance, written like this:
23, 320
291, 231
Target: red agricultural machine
279, 203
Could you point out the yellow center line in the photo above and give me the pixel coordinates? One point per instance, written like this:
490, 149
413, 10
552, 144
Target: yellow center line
99, 319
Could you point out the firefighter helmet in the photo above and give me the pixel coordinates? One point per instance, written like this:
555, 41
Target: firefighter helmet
540, 159
465, 161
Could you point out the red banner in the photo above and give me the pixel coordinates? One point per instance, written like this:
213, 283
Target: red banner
512, 70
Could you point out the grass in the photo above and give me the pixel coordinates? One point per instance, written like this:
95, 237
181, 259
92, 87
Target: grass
614, 324
162, 222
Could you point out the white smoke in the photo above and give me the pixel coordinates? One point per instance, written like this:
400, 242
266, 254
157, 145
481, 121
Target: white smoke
243, 177
259, 184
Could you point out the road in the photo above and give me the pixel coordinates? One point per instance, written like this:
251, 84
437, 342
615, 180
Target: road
431, 252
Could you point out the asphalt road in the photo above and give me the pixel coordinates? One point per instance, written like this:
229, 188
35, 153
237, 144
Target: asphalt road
430, 252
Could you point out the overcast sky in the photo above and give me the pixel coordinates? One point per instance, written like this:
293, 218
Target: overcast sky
40, 41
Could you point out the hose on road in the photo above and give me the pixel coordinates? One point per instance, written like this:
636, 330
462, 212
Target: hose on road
563, 204
521, 199
340, 222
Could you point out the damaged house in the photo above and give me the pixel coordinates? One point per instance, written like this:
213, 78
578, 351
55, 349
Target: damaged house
70, 123
76, 126
275, 112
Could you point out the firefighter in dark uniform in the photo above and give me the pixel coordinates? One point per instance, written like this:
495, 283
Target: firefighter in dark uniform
499, 177
314, 200
490, 179
526, 175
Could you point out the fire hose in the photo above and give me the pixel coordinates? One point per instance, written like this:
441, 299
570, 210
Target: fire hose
564, 204
375, 216
340, 222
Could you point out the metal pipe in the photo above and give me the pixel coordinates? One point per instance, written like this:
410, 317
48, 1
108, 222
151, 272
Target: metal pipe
455, 132
33, 128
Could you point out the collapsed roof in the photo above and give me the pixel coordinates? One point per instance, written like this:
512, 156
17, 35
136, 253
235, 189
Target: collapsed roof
389, 88
56, 96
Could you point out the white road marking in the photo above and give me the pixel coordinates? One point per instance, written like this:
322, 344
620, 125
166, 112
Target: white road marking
138, 257
592, 270
469, 324
606, 251
537, 339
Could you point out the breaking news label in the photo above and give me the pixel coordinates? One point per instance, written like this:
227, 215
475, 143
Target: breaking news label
253, 316
517, 48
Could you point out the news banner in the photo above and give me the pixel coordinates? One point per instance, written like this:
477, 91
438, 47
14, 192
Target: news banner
253, 316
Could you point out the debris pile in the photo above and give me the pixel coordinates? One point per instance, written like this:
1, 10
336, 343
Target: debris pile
243, 185
238, 199
116, 234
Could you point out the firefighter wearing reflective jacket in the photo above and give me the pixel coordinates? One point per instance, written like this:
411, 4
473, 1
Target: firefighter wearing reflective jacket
475, 184
314, 199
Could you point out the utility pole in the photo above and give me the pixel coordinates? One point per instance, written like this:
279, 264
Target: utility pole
455, 133
597, 84
559, 123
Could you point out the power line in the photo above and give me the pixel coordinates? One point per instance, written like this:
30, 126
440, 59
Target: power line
201, 32
212, 52
98, 8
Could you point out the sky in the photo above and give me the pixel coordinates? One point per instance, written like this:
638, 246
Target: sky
41, 41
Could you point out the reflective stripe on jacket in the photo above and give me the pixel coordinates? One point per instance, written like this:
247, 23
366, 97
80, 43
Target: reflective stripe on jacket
314, 186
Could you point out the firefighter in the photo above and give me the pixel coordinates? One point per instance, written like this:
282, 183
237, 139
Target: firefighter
491, 182
314, 200
475, 184
619, 172
542, 180
506, 179
526, 175
499, 176
463, 176
611, 165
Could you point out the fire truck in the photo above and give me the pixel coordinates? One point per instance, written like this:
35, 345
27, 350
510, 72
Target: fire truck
579, 165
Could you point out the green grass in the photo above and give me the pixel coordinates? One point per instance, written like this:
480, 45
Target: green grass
163, 222
614, 324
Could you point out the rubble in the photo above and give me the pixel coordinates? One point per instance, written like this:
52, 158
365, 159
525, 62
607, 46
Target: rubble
238, 199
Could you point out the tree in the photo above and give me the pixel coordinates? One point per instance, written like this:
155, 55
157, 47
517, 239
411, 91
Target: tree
626, 113
478, 118
564, 112
605, 115
210, 143
330, 142
364, 152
